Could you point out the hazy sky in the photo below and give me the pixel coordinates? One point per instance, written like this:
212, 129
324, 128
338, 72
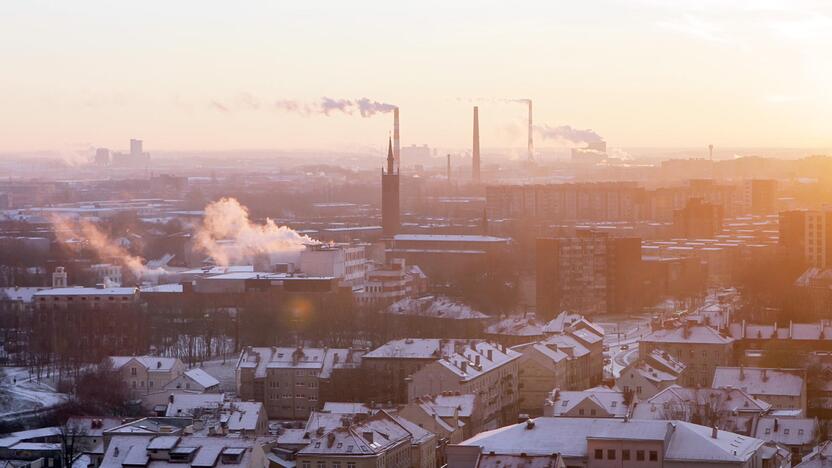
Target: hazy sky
205, 74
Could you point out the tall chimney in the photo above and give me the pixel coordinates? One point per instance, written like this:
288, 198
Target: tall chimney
475, 160
531, 139
449, 168
396, 141
711, 152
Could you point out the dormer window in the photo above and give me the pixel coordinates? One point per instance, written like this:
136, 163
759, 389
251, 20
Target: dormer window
232, 455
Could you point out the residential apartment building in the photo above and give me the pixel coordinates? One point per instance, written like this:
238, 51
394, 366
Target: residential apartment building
650, 374
701, 348
485, 369
391, 363
698, 219
591, 273
785, 389
731, 409
616, 442
379, 441
289, 381
807, 235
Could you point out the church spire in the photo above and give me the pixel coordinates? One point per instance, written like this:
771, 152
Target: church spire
390, 158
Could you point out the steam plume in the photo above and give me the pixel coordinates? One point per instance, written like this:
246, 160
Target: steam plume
365, 107
568, 134
107, 250
228, 236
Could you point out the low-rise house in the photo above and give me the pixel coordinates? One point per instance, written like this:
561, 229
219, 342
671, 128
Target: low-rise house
196, 380
730, 409
785, 389
701, 348
380, 441
543, 366
219, 416
799, 435
608, 442
599, 402
648, 375
144, 375
487, 370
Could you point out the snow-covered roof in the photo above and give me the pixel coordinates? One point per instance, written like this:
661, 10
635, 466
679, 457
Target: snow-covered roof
761, 381
787, 431
490, 356
518, 325
201, 377
413, 348
819, 457
151, 363
699, 334
185, 404
19, 294
448, 238
675, 401
436, 307
83, 291
607, 399
685, 442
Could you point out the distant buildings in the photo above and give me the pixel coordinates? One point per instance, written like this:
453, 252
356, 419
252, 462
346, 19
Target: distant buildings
591, 273
698, 219
806, 235
598, 402
785, 389
146, 374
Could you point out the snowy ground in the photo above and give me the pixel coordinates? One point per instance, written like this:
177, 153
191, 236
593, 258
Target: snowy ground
20, 394
622, 336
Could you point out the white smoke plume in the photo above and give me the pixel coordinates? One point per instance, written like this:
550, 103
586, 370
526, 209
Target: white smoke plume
568, 134
365, 107
229, 237
79, 234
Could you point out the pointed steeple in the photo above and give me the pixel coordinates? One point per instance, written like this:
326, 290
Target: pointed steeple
390, 159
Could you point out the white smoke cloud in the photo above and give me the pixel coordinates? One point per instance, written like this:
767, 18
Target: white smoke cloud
228, 236
365, 107
566, 133
79, 234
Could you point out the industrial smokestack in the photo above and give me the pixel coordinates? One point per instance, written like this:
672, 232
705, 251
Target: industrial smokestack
449, 168
396, 146
475, 160
531, 139
711, 152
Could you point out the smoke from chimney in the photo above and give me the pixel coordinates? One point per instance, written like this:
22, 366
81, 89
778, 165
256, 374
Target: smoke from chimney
568, 134
365, 107
228, 236
77, 235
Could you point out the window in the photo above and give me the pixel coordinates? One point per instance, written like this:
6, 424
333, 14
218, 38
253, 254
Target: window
768, 430
639, 455
786, 431
599, 454
625, 454
132, 371
150, 384
306, 464
336, 464
654, 455
581, 412
592, 412
321, 464
350, 464
610, 454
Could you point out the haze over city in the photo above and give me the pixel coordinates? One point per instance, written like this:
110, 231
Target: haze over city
429, 235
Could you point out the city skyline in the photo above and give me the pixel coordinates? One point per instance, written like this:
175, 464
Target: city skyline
194, 76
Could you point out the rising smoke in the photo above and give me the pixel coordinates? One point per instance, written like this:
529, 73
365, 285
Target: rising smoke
80, 234
365, 107
228, 236
566, 133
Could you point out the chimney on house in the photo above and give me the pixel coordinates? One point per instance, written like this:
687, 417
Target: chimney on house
714, 432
